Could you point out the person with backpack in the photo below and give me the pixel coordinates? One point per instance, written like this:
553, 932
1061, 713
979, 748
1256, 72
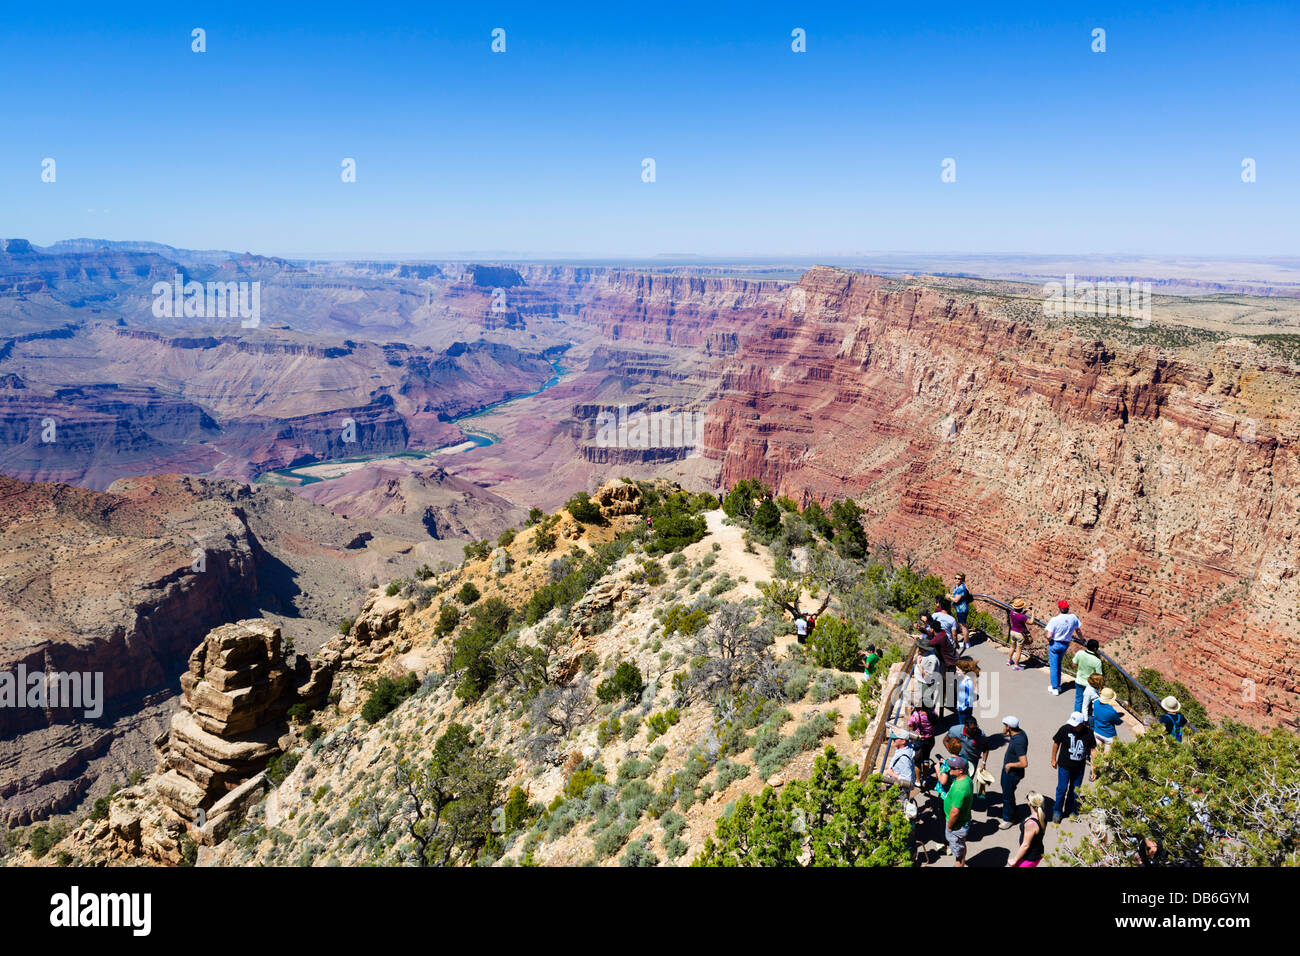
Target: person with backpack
1061, 630
1106, 718
901, 768
1172, 720
961, 600
1086, 663
1071, 748
1030, 852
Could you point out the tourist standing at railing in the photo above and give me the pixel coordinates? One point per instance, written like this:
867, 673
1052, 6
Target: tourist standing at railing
1106, 719
1017, 632
1061, 630
1172, 720
901, 769
946, 648
960, 599
1031, 834
1071, 748
1091, 693
920, 722
1014, 764
1086, 663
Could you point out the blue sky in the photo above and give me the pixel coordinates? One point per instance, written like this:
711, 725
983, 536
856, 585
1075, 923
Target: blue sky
758, 150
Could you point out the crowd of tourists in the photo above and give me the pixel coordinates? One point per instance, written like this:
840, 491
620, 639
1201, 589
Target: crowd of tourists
942, 693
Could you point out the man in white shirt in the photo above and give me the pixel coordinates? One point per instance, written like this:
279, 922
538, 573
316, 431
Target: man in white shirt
801, 628
1060, 631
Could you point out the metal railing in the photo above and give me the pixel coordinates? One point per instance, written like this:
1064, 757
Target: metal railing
1128, 688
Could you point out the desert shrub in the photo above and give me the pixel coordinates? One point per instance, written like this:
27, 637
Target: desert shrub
393, 588
658, 724
519, 813
778, 751
468, 593
607, 731
312, 733
630, 726
834, 643
639, 853
612, 838
675, 848
386, 694
506, 538
677, 560
345, 625
534, 515
581, 780
544, 541
281, 765
673, 823
729, 771
626, 683
584, 509
679, 619
448, 618
634, 769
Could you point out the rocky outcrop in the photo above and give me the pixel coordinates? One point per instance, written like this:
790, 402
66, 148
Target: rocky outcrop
235, 695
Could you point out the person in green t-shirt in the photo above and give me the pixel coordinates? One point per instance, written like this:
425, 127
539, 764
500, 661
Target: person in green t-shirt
957, 803
873, 658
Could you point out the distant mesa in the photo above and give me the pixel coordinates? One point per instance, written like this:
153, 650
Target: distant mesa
495, 277
18, 247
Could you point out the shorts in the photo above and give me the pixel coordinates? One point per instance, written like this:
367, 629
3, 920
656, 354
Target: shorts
961, 615
1018, 639
1104, 742
957, 841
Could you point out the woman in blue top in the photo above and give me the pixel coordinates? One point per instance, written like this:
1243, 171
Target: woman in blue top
960, 598
1106, 719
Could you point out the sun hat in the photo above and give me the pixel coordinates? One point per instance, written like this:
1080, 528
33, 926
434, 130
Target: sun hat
1012, 722
1076, 719
1063, 604
1107, 695
1018, 604
1171, 705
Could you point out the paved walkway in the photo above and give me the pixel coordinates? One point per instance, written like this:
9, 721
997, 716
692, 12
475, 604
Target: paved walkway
1025, 695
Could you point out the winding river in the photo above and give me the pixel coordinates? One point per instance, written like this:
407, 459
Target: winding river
311, 473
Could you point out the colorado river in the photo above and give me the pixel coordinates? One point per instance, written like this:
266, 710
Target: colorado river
316, 471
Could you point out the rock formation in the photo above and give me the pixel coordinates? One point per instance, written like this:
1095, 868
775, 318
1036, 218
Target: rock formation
230, 724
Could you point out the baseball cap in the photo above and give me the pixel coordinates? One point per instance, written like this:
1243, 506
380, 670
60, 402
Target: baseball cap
957, 763
1063, 604
1011, 721
1076, 719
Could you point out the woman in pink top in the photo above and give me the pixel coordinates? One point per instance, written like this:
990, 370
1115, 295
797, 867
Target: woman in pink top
1018, 625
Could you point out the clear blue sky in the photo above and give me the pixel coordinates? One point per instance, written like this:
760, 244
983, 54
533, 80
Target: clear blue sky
759, 150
